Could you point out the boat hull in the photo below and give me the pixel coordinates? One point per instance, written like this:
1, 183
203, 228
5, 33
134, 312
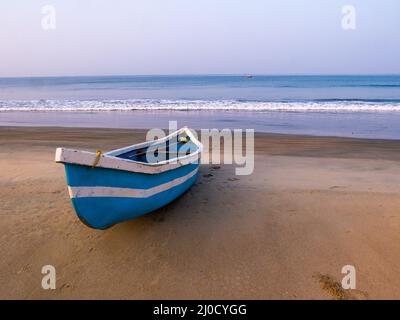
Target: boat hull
103, 197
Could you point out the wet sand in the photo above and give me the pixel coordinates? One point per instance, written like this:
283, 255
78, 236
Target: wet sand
313, 205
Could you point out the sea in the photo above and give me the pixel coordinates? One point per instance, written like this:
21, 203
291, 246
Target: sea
349, 106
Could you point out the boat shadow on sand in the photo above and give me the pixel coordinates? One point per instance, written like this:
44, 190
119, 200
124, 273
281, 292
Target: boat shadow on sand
193, 204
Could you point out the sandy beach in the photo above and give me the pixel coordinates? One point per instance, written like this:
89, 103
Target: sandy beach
313, 205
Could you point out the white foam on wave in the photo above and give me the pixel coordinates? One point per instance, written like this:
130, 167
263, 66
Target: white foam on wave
192, 105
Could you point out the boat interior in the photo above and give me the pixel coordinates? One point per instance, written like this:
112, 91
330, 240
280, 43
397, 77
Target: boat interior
176, 147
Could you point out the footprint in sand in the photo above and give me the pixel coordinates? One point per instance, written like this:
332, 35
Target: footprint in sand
25, 268
336, 187
65, 286
334, 288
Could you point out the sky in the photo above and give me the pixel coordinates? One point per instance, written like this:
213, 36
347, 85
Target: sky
134, 37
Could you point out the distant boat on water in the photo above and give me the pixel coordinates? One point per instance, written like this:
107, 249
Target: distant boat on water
249, 76
126, 183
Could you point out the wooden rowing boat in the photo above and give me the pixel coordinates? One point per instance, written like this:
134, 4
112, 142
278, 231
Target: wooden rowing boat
108, 188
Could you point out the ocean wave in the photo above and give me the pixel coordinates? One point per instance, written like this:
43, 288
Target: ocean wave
196, 105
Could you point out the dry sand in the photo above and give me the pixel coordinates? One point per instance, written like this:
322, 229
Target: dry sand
312, 206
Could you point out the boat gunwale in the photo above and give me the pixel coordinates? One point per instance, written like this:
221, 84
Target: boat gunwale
109, 160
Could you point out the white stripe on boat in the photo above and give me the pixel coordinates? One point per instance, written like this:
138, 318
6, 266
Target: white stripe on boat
84, 192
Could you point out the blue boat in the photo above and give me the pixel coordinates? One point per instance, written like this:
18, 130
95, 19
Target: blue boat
108, 188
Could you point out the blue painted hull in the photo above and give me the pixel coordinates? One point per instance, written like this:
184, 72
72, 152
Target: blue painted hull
101, 212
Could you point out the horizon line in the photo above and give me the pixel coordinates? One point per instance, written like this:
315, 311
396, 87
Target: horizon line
203, 74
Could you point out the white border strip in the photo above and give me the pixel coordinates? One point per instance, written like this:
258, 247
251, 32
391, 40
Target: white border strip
110, 161
90, 192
